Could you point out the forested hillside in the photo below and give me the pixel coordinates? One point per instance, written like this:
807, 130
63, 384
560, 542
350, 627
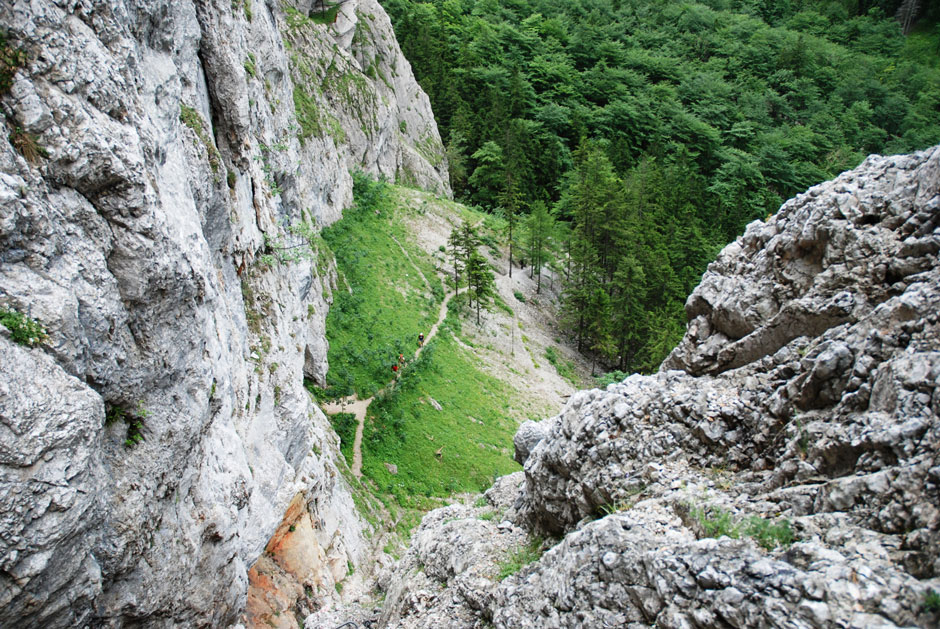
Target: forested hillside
654, 131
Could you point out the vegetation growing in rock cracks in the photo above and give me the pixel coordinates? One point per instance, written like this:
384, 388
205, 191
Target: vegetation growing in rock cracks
11, 59
23, 329
27, 145
133, 418
718, 522
932, 601
191, 118
521, 557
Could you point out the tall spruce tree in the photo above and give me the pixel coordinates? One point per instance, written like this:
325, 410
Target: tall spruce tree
539, 228
510, 200
480, 280
456, 252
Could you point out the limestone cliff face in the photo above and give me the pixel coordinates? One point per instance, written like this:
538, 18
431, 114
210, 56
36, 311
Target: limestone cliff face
164, 169
807, 388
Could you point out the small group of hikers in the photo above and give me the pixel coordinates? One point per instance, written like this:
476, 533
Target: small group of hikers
401, 357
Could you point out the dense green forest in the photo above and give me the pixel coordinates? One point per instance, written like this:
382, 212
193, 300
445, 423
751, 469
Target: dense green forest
651, 132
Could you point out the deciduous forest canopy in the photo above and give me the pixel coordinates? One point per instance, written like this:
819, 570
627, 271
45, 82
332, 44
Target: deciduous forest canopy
656, 130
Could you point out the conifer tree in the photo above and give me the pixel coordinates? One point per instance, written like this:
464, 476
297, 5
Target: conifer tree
480, 280
455, 249
582, 281
539, 227
629, 320
599, 324
467, 241
511, 201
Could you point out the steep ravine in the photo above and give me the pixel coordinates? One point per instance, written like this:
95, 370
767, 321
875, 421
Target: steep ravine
164, 170
782, 469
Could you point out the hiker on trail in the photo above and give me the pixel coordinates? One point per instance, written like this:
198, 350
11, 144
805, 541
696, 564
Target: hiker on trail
421, 339
395, 368
401, 359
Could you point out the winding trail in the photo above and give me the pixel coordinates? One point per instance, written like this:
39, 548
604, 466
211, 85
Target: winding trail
357, 407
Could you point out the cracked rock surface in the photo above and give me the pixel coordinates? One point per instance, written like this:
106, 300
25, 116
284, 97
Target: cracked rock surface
782, 469
179, 149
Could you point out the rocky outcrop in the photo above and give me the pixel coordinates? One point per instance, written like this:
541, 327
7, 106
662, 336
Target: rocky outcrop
782, 469
164, 171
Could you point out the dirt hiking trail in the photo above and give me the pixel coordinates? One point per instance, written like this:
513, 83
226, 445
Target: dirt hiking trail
357, 407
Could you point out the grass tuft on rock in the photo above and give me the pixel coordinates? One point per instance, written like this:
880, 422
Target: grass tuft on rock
520, 558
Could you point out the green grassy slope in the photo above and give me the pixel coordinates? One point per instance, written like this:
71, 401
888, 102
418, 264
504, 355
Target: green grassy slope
460, 447
380, 304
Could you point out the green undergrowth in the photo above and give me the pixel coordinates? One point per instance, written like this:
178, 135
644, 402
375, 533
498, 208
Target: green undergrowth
565, 368
460, 448
345, 426
611, 377
23, 329
381, 303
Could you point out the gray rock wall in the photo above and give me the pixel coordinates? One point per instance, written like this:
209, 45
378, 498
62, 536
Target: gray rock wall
805, 397
156, 187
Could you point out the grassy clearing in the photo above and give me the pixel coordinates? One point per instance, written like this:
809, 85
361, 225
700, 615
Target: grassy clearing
438, 452
381, 303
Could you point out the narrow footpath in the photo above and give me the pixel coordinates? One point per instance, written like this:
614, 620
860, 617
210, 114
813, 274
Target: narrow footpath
357, 407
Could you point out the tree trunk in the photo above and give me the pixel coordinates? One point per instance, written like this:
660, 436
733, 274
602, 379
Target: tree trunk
580, 330
510, 246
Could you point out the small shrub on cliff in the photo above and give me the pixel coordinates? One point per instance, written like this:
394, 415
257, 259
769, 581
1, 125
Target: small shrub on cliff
768, 534
28, 145
932, 601
191, 118
23, 329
